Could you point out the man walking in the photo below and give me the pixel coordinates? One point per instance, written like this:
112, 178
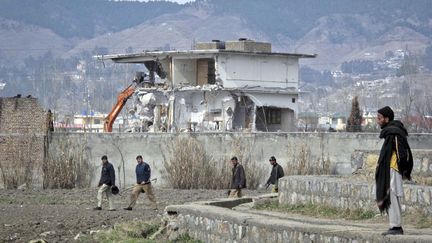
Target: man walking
106, 181
276, 173
143, 175
238, 179
394, 164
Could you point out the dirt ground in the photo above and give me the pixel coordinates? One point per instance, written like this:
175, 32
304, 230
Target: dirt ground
59, 215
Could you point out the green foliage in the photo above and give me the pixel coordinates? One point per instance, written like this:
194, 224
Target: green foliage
135, 231
185, 238
7, 200
355, 118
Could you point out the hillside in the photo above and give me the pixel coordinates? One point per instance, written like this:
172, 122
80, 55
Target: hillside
48, 39
33, 28
173, 31
337, 30
83, 18
19, 41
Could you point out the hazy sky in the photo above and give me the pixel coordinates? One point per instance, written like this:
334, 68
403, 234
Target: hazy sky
182, 1
178, 1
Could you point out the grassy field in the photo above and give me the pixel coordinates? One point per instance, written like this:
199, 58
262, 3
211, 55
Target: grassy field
416, 218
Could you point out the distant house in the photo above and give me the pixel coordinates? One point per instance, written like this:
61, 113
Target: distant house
82, 123
369, 119
308, 121
339, 121
218, 86
324, 123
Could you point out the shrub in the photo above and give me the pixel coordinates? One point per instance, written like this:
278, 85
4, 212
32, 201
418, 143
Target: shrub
302, 163
189, 166
67, 168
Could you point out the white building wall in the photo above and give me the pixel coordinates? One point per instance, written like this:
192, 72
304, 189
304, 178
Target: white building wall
237, 71
184, 71
275, 100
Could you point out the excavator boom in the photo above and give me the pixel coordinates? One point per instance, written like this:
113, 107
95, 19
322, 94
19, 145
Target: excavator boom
121, 102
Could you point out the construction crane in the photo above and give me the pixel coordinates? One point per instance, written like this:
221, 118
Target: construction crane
121, 101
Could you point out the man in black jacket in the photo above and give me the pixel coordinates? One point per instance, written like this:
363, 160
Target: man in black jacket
106, 181
395, 163
238, 179
143, 184
276, 173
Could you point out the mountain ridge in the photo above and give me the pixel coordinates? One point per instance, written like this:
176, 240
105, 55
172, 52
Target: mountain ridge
337, 30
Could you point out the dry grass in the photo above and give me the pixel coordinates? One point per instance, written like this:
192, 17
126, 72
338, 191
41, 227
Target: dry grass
323, 211
189, 166
303, 164
418, 218
136, 231
67, 167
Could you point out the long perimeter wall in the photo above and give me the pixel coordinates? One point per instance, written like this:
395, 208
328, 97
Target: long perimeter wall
335, 149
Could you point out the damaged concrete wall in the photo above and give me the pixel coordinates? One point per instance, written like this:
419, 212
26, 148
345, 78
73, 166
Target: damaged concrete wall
212, 109
23, 128
151, 109
202, 110
289, 148
188, 109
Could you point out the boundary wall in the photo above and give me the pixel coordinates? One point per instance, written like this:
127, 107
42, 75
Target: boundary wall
336, 149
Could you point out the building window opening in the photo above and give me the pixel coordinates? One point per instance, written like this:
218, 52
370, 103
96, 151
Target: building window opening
272, 116
206, 71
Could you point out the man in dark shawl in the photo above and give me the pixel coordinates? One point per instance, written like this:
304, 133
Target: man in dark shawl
395, 164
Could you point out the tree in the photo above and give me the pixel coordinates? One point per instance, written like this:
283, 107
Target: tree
409, 66
355, 118
358, 67
427, 59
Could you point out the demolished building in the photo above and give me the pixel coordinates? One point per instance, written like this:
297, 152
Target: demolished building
217, 86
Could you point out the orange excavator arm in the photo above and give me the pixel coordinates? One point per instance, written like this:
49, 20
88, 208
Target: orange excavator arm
121, 101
